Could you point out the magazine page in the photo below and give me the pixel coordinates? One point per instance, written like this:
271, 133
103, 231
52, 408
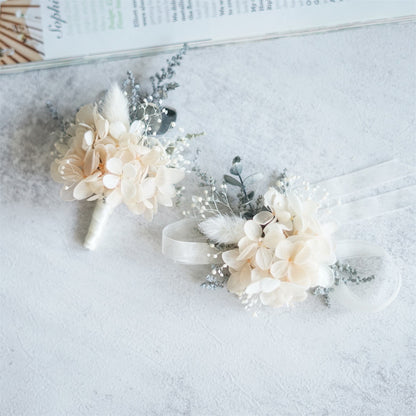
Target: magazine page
54, 32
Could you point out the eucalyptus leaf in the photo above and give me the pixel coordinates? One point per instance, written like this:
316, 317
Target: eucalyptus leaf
236, 169
231, 181
237, 159
250, 195
255, 177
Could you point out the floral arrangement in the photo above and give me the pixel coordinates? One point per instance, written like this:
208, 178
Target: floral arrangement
270, 249
116, 151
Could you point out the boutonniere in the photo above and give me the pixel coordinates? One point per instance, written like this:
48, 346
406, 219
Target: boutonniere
121, 150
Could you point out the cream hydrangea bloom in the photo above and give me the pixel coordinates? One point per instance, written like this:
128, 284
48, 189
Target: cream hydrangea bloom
110, 158
284, 252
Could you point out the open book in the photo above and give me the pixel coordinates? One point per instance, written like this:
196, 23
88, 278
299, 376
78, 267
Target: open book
45, 33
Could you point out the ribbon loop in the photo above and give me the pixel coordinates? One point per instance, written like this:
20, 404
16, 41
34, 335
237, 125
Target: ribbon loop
390, 278
183, 243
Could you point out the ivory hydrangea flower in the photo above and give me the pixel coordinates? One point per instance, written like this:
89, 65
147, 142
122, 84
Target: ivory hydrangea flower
285, 251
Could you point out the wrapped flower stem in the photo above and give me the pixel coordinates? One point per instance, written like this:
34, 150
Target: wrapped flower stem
100, 216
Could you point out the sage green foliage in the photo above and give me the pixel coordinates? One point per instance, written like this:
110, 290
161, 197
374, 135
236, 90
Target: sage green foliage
247, 207
345, 273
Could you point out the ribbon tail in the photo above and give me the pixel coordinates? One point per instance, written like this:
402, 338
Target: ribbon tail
374, 205
371, 177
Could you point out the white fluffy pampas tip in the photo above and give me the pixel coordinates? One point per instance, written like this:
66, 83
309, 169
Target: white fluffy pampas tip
223, 229
116, 106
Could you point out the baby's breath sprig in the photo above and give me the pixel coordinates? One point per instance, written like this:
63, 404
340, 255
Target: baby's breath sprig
214, 199
282, 182
217, 277
181, 142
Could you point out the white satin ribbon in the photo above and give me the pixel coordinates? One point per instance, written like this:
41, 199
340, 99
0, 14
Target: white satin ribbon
371, 177
183, 243
375, 205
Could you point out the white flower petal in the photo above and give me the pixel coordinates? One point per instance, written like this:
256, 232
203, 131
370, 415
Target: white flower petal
284, 250
303, 255
114, 165
82, 191
265, 285
325, 277
85, 115
167, 189
253, 231
285, 295
258, 274
54, 171
269, 197
91, 161
231, 259
279, 269
263, 217
164, 200
169, 176
128, 190
264, 258
111, 181
271, 298
148, 214
248, 251
102, 126
148, 188
129, 171
137, 127
299, 275
148, 204
273, 236
117, 128
88, 139
285, 219
239, 280
67, 192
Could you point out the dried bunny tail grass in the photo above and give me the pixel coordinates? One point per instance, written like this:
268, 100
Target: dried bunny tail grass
223, 229
116, 106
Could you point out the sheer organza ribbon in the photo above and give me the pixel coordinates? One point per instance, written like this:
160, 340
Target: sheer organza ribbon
182, 241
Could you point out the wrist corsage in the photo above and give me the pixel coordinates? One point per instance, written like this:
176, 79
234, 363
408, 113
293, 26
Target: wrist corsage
274, 248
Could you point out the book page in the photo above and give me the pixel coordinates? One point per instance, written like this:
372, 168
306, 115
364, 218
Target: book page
44, 30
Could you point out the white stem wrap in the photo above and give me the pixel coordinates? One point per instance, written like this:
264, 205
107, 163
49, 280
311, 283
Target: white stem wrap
99, 219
